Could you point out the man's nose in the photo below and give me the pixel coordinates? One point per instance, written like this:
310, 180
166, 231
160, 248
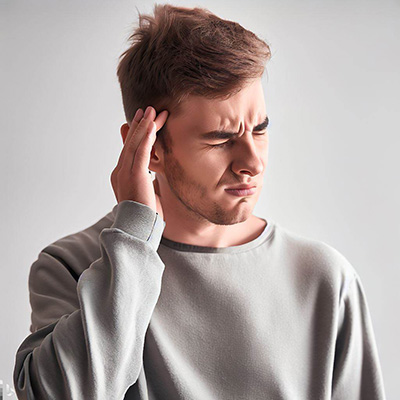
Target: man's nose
247, 156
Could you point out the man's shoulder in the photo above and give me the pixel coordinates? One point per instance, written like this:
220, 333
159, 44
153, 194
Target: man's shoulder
76, 251
314, 258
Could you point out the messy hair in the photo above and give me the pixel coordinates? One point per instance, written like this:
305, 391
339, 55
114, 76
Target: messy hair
182, 51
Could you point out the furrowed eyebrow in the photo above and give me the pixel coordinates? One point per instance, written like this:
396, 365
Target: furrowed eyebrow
227, 135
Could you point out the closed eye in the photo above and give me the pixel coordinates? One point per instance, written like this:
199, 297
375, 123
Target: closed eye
260, 133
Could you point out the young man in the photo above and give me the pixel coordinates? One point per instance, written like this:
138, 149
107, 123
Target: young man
180, 292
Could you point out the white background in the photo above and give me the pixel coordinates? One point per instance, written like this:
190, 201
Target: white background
332, 95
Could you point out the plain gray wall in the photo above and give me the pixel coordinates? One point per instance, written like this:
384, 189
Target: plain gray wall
332, 94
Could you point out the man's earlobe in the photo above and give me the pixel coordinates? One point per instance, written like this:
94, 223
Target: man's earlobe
124, 131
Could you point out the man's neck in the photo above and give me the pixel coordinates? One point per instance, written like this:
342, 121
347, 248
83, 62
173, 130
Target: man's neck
229, 235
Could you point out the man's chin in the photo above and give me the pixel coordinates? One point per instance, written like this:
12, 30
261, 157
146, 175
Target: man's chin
230, 217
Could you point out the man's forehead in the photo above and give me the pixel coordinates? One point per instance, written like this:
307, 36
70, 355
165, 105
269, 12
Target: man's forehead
220, 127
203, 114
245, 107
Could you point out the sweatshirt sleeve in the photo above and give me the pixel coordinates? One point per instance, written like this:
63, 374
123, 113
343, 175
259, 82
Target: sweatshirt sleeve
92, 347
357, 372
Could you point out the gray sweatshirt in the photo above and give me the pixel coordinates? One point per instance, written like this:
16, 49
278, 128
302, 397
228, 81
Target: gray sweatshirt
120, 312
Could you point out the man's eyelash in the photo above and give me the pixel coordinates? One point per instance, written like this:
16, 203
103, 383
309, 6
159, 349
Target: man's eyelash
221, 144
225, 143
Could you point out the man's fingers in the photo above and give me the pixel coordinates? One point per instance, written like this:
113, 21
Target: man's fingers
142, 155
135, 122
161, 118
145, 126
138, 131
139, 135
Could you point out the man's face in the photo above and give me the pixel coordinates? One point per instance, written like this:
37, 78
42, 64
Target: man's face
200, 168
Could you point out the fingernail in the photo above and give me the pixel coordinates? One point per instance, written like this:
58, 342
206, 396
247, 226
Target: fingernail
138, 115
148, 109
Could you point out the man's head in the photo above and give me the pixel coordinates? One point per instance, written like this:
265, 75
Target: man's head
207, 73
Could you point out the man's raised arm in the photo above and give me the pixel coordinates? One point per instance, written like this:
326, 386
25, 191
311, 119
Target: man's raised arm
88, 336
95, 351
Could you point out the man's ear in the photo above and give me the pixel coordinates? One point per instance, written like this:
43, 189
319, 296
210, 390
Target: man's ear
155, 160
124, 131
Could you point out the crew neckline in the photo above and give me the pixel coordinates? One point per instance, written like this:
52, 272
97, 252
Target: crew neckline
265, 235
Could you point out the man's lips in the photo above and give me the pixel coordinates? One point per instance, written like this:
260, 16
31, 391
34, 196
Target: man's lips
247, 191
241, 187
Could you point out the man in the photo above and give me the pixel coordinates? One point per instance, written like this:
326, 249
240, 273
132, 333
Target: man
180, 292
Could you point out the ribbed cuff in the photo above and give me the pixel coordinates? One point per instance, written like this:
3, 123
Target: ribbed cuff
139, 220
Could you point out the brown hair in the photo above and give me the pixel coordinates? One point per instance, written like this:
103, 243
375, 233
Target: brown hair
181, 51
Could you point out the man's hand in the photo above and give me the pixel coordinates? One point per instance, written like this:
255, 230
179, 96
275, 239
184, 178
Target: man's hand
130, 179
